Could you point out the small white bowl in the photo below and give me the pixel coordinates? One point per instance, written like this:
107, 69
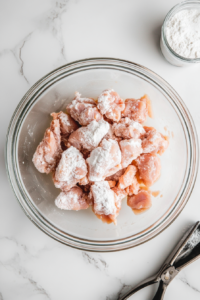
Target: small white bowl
171, 56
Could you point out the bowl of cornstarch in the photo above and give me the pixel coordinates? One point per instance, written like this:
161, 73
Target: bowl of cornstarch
180, 34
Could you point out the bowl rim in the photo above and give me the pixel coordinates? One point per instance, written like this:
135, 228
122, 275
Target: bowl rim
175, 9
43, 224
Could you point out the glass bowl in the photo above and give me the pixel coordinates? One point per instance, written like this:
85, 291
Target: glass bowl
170, 55
36, 192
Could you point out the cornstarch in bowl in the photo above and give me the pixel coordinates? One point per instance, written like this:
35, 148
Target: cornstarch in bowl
180, 34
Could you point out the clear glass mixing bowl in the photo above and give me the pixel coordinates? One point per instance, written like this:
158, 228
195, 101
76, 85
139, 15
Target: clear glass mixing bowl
36, 192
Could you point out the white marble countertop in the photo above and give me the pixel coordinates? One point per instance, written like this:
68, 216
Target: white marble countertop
36, 37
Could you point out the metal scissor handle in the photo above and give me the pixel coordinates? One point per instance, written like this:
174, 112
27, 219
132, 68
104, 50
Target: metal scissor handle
140, 286
186, 252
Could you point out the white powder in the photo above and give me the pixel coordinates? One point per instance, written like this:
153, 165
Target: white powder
72, 165
71, 200
183, 33
102, 159
85, 100
130, 149
104, 101
65, 119
104, 198
93, 133
67, 200
128, 128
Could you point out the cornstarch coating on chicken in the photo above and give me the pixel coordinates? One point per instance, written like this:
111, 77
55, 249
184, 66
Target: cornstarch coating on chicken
153, 141
127, 129
83, 110
90, 136
130, 150
111, 105
73, 199
104, 198
71, 169
100, 152
137, 110
49, 150
67, 126
103, 159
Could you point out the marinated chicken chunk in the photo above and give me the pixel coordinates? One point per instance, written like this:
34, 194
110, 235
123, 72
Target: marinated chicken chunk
103, 159
113, 170
133, 188
149, 168
153, 141
67, 124
84, 181
73, 199
119, 196
90, 136
111, 183
49, 150
130, 150
83, 110
127, 129
70, 170
116, 175
127, 178
110, 135
137, 109
104, 201
140, 201
111, 105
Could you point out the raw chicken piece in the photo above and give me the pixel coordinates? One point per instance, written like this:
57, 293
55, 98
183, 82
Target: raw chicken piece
103, 159
104, 199
67, 124
133, 188
119, 196
49, 150
111, 105
130, 149
90, 136
111, 135
140, 201
127, 178
84, 181
83, 110
154, 141
116, 176
111, 183
74, 199
70, 170
149, 168
113, 170
127, 128
137, 110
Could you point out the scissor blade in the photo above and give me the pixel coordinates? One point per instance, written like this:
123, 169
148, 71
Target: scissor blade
191, 250
182, 247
